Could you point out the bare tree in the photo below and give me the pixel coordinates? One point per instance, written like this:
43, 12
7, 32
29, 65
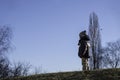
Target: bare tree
26, 69
5, 40
4, 68
17, 69
112, 55
20, 69
95, 40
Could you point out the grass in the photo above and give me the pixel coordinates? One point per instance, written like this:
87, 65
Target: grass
104, 74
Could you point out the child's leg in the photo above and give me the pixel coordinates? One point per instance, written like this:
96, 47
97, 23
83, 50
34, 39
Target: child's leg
85, 64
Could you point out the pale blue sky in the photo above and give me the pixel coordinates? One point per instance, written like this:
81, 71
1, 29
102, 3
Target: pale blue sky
46, 31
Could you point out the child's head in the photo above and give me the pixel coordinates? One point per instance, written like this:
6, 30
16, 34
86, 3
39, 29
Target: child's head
83, 33
84, 36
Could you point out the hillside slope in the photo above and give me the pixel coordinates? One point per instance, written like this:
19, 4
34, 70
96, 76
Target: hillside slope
105, 74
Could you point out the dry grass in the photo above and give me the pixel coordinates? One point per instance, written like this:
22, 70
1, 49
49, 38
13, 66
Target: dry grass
105, 74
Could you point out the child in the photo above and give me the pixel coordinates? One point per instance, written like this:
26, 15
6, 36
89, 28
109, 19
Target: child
84, 49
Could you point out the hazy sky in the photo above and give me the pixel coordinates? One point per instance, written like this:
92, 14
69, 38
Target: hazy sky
45, 32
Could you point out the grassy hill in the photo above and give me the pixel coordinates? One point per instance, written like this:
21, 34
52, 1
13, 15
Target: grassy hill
105, 74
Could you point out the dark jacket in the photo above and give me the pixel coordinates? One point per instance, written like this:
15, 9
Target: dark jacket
82, 46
